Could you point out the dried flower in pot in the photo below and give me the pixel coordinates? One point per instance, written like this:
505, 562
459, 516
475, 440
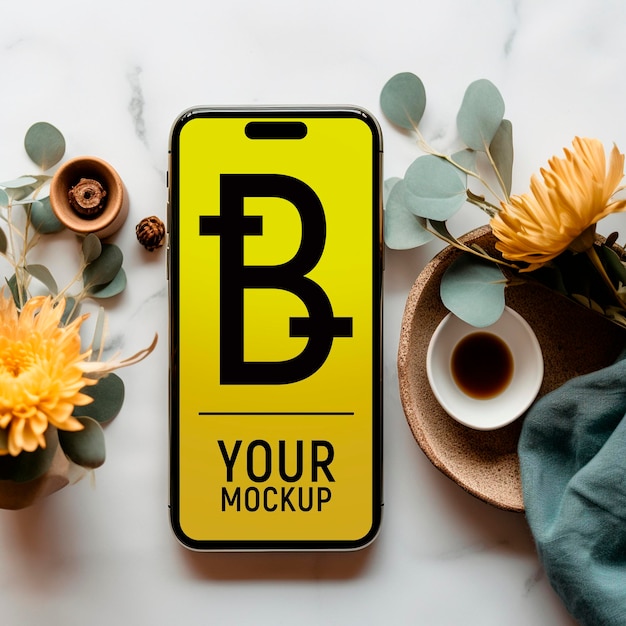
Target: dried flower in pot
87, 195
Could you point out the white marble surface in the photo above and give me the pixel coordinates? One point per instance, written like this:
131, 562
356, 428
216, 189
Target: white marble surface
113, 76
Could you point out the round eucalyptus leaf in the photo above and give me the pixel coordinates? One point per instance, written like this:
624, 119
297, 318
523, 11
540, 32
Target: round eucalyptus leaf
403, 229
44, 276
466, 159
388, 185
435, 189
105, 268
43, 219
473, 289
29, 465
108, 399
84, 447
403, 100
480, 114
44, 144
4, 198
92, 248
501, 150
114, 288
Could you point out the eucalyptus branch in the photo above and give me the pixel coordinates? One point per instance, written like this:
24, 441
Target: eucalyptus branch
461, 246
428, 149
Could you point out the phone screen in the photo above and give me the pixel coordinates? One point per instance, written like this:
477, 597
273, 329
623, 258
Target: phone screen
275, 304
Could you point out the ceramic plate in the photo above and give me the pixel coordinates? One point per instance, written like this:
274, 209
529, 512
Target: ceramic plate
485, 463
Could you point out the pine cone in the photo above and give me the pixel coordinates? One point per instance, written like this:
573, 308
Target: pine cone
150, 232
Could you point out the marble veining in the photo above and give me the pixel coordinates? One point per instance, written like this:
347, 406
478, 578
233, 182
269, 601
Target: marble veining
137, 103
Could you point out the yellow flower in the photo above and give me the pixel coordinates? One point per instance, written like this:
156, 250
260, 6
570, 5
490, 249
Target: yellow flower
41, 372
561, 211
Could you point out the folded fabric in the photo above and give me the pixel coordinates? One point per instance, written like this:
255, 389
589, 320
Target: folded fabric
572, 452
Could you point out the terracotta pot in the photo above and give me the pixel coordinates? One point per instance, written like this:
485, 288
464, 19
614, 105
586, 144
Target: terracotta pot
115, 209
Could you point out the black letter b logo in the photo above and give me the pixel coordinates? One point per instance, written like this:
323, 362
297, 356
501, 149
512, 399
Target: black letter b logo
320, 327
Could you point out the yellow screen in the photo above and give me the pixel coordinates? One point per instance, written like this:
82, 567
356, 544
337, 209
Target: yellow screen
276, 414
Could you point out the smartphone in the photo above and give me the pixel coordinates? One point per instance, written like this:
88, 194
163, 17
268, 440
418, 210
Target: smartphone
275, 272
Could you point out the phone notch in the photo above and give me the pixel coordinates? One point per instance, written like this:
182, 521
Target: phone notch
276, 130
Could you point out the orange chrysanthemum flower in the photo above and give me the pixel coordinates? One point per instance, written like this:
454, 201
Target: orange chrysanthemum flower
41, 373
561, 211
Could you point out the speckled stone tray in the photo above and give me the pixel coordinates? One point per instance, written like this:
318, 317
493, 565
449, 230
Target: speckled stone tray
485, 463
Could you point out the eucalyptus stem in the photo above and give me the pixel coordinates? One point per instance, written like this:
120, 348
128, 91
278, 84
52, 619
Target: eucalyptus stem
498, 175
77, 300
460, 246
17, 268
471, 173
75, 279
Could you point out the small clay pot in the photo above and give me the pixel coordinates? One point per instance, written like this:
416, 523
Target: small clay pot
115, 209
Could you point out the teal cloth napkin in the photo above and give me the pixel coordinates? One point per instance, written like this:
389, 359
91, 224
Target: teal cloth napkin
572, 453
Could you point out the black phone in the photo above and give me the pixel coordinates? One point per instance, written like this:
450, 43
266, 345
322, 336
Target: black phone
275, 275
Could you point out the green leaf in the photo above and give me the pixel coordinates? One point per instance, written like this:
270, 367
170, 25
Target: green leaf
403, 100
614, 266
18, 183
20, 188
70, 312
466, 159
435, 189
44, 144
501, 150
43, 219
480, 114
84, 447
403, 230
114, 288
92, 248
30, 465
388, 185
442, 229
15, 292
4, 198
105, 268
43, 275
3, 242
108, 399
473, 289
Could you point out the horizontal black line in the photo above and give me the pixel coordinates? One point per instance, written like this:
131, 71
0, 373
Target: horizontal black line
261, 413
